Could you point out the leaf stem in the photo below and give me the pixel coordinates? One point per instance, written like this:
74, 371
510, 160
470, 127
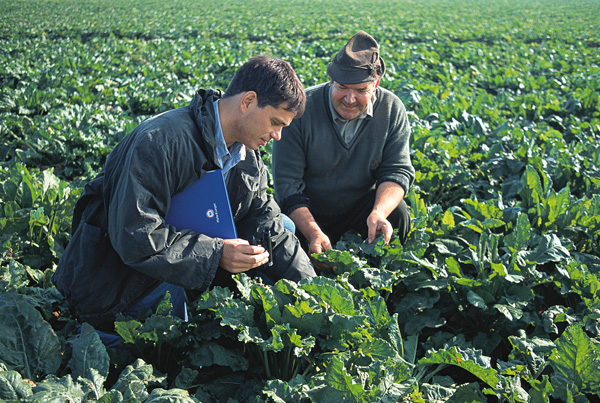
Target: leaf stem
308, 368
266, 362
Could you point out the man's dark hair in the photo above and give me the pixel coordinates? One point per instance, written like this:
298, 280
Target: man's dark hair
274, 81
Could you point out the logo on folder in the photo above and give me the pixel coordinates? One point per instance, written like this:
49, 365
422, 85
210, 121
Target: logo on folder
204, 207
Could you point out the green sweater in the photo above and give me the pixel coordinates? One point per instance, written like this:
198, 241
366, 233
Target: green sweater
313, 166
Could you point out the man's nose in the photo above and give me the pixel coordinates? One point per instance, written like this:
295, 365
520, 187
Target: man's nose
350, 97
276, 135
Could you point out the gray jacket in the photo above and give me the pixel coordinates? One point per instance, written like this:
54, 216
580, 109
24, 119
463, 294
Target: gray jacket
121, 248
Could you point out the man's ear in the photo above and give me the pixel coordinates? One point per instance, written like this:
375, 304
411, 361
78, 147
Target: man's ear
248, 99
377, 84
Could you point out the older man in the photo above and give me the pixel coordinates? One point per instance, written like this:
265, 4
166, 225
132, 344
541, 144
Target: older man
345, 164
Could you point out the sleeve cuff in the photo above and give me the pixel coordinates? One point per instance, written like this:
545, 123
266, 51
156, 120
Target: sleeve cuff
402, 181
293, 202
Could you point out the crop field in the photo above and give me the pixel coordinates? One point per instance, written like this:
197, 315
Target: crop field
495, 297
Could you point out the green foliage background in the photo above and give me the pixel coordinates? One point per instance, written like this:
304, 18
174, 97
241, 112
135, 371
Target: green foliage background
494, 296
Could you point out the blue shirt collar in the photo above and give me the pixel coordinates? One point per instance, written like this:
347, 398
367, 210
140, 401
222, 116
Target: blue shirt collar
227, 158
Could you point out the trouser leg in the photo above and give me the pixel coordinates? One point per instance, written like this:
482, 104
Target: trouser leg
153, 298
288, 223
112, 340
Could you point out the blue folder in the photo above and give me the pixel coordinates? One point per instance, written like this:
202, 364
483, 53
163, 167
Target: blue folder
204, 207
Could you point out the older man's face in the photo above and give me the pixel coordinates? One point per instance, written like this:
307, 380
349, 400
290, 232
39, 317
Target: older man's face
350, 100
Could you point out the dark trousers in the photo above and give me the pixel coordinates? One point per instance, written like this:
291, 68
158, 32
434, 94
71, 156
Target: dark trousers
356, 219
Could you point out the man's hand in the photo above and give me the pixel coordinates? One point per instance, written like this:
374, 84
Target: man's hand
377, 224
319, 243
388, 197
307, 225
239, 256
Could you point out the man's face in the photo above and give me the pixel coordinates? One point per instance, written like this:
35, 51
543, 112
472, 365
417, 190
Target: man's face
350, 100
260, 125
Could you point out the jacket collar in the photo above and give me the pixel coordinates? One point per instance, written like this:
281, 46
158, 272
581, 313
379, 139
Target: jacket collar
204, 115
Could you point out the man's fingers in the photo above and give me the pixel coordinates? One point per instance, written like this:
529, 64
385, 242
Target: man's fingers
244, 262
371, 235
239, 256
320, 244
380, 227
387, 234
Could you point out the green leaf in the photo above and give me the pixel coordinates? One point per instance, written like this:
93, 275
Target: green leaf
93, 386
468, 393
214, 298
279, 391
510, 388
377, 279
476, 300
170, 396
13, 276
510, 312
28, 344
341, 261
88, 353
271, 308
236, 314
338, 379
49, 181
450, 247
469, 359
13, 387
430, 318
378, 350
245, 284
302, 346
330, 294
391, 332
160, 329
532, 192
557, 203
519, 237
112, 396
376, 311
304, 317
55, 390
128, 329
275, 342
344, 330
186, 378
550, 249
211, 353
556, 314
540, 391
410, 257
448, 221
135, 380
164, 306
577, 358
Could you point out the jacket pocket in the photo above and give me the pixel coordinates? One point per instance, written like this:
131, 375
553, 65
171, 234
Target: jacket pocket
92, 235
80, 266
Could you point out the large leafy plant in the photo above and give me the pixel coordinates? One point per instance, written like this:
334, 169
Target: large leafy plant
493, 297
